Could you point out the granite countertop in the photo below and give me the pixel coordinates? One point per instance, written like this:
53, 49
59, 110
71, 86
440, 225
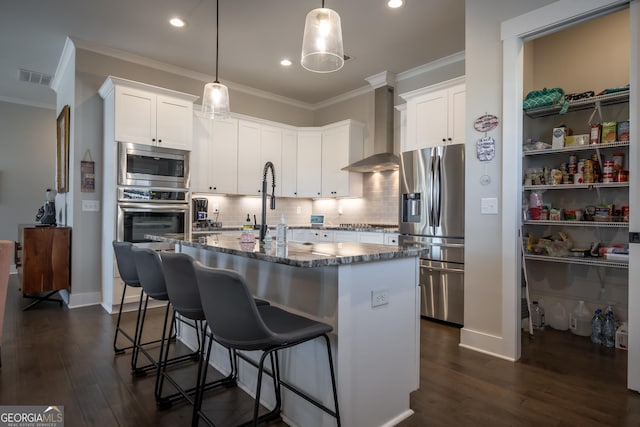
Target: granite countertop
390, 229
296, 254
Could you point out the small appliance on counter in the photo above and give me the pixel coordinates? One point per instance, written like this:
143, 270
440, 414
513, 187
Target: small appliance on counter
317, 221
200, 206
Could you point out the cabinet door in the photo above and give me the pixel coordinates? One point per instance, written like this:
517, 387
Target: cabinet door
199, 157
299, 235
371, 237
345, 236
135, 118
45, 259
457, 105
288, 181
223, 159
428, 117
271, 151
309, 164
249, 167
391, 239
335, 155
174, 122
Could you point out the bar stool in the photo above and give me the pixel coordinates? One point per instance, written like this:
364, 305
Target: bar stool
129, 275
183, 294
237, 323
151, 278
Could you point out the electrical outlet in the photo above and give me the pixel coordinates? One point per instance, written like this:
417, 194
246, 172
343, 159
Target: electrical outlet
379, 298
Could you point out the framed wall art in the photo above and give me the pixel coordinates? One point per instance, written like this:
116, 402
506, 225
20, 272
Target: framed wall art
62, 153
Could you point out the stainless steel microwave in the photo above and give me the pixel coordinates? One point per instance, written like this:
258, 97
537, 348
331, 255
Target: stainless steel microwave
150, 166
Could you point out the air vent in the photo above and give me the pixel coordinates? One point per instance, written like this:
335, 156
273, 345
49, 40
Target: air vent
346, 57
34, 77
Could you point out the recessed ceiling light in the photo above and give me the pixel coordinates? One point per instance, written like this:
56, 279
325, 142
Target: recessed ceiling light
285, 62
394, 4
177, 22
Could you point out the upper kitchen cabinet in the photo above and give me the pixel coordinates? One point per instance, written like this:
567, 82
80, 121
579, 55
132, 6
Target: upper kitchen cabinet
342, 144
151, 115
249, 165
309, 168
214, 157
258, 144
288, 184
435, 115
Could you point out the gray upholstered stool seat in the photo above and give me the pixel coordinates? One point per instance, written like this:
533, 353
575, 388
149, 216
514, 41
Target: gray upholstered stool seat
151, 278
236, 322
182, 290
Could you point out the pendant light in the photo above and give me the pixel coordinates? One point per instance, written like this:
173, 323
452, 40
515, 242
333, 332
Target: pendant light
322, 50
215, 100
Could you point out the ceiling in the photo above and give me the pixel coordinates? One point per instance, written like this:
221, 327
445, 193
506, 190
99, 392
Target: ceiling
254, 36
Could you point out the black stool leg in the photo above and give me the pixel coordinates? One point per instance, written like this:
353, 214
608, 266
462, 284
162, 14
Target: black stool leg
116, 349
137, 342
333, 378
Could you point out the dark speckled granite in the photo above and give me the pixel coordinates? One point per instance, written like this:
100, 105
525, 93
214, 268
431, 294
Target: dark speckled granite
294, 254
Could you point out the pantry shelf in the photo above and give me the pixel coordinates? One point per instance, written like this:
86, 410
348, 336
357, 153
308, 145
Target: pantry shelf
574, 148
579, 223
581, 104
576, 186
581, 261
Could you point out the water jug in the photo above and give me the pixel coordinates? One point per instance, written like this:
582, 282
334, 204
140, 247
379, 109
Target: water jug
580, 320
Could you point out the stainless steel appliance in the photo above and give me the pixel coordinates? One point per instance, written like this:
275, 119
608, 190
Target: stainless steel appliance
144, 211
149, 166
432, 216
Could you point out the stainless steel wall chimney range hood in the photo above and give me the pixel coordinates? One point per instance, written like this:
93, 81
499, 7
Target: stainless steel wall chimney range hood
383, 158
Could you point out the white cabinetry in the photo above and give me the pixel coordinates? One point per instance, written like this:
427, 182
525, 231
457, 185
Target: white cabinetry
345, 236
249, 167
320, 235
342, 144
435, 115
151, 115
288, 178
371, 237
214, 158
390, 238
258, 144
309, 168
271, 151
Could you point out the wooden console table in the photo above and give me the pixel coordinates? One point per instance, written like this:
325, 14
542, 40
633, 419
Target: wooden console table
44, 267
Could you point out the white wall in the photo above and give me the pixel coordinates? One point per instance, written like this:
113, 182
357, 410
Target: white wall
483, 250
27, 147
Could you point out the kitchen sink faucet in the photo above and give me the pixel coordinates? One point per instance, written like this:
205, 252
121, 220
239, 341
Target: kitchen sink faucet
272, 206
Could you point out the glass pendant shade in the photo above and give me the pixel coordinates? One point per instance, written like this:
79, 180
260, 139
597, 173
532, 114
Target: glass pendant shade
215, 101
322, 50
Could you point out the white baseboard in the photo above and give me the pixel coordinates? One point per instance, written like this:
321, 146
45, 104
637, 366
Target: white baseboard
84, 299
481, 342
131, 306
12, 269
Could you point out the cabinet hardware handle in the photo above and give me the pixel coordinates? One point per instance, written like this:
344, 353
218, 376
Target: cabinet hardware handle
448, 139
159, 140
153, 139
443, 140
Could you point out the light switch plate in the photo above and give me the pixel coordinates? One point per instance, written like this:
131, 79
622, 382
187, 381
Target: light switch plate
91, 205
489, 206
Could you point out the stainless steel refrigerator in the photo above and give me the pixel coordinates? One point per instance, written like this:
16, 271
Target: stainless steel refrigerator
432, 216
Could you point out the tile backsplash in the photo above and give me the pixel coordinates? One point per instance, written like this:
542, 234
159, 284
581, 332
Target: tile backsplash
378, 206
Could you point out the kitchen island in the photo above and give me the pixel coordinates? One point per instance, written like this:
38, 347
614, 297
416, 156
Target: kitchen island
368, 293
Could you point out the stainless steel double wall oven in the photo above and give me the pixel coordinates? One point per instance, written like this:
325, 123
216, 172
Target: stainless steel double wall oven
153, 192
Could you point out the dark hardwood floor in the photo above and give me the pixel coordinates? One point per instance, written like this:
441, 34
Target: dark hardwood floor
51, 355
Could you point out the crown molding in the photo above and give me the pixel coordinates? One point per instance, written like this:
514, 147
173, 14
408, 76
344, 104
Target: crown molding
430, 66
174, 69
27, 103
68, 55
384, 78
